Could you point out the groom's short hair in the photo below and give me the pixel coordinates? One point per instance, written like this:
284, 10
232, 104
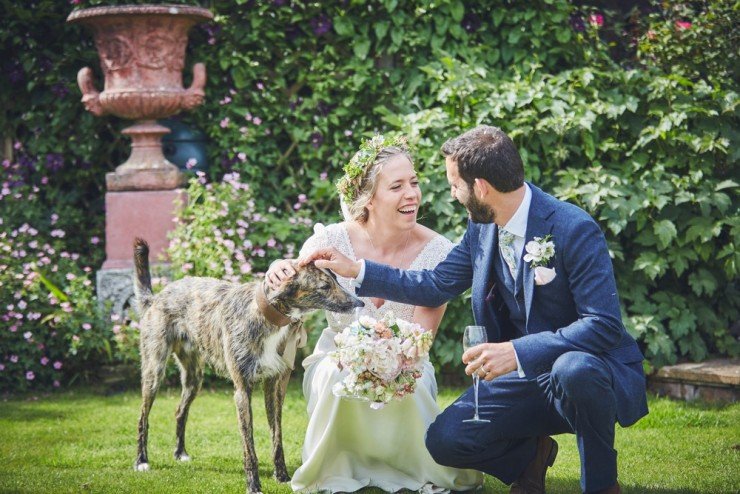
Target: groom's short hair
487, 152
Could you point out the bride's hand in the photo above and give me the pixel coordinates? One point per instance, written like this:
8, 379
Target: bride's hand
278, 272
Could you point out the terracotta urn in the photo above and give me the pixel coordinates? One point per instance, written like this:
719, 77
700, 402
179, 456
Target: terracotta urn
142, 56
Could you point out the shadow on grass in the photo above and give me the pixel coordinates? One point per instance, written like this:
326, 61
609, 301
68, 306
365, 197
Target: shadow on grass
29, 412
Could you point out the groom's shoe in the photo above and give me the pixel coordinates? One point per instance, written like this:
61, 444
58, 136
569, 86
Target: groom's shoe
532, 480
615, 489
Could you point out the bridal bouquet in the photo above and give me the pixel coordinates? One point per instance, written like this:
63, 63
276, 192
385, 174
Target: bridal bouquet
384, 359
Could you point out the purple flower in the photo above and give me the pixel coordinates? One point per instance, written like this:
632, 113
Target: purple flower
57, 365
56, 384
44, 360
45, 65
471, 22
60, 90
323, 108
14, 359
54, 162
2, 367
576, 22
30, 376
321, 25
317, 139
292, 32
15, 72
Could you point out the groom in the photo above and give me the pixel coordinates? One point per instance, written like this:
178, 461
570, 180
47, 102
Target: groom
559, 359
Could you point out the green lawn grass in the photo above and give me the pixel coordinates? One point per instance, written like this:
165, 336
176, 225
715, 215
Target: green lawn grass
81, 441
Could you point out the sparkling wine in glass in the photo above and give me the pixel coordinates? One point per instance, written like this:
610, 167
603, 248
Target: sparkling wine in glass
473, 336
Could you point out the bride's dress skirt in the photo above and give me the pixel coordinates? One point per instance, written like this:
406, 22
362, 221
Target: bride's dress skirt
349, 446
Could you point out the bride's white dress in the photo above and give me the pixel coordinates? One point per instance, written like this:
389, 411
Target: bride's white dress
348, 445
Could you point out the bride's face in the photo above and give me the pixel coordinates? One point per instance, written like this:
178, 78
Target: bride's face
397, 196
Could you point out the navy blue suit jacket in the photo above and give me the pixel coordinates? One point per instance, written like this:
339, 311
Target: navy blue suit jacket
577, 311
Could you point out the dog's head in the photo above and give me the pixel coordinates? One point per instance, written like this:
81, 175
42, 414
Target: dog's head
311, 289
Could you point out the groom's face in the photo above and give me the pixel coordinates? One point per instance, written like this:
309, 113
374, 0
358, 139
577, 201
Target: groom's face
478, 211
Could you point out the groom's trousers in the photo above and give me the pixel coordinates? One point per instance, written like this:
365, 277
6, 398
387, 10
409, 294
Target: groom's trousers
576, 396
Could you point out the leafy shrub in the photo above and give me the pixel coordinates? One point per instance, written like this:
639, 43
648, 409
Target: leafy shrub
649, 155
52, 328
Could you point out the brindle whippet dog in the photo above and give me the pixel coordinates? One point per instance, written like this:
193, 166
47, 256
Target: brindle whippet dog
241, 330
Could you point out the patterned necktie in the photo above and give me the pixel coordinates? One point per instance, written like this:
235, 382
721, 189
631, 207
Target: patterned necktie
506, 244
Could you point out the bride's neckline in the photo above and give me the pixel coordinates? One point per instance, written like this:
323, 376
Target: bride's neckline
345, 231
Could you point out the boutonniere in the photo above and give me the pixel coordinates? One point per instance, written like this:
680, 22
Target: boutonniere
539, 252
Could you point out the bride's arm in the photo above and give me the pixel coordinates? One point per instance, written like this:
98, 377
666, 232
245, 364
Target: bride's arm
429, 317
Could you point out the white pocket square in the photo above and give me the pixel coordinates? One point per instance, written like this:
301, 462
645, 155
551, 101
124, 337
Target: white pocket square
543, 275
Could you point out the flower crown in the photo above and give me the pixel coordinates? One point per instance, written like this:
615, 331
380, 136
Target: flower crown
355, 172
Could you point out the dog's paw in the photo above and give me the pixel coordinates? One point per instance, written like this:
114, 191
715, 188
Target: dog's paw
142, 467
183, 457
282, 477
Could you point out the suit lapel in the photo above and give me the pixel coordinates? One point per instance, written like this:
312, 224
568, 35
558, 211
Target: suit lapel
488, 242
538, 225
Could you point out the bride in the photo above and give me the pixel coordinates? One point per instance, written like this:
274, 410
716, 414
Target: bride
348, 445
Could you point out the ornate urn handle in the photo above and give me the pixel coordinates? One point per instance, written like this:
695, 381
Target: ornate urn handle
90, 95
194, 94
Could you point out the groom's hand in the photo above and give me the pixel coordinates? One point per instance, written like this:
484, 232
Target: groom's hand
331, 258
490, 360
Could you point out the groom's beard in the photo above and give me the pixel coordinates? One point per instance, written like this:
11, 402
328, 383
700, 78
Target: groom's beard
479, 212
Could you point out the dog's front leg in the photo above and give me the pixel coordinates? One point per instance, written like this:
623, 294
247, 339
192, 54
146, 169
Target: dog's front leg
242, 396
275, 388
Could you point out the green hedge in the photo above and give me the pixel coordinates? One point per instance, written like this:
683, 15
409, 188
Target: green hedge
648, 145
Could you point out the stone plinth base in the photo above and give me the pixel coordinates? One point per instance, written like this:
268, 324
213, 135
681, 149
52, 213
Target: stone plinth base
146, 214
116, 286
714, 380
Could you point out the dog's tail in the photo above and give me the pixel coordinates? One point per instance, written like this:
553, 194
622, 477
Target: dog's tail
143, 280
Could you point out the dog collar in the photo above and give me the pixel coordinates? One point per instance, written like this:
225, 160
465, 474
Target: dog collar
273, 315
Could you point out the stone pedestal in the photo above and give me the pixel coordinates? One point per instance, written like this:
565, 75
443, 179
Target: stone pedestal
146, 214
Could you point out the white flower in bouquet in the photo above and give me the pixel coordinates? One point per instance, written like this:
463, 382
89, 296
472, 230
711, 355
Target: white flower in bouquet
383, 359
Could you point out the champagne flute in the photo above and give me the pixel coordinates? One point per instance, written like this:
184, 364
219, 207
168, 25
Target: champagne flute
473, 336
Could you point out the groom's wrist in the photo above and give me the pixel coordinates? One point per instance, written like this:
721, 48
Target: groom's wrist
360, 276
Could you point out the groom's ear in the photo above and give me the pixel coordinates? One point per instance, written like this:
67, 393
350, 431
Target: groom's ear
482, 186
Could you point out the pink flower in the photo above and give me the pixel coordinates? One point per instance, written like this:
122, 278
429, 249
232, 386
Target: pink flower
191, 163
187, 266
94, 240
348, 133
683, 25
56, 384
44, 360
57, 365
242, 156
2, 367
86, 326
14, 359
28, 335
70, 276
246, 268
302, 198
30, 376
323, 176
225, 122
257, 121
260, 86
596, 20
